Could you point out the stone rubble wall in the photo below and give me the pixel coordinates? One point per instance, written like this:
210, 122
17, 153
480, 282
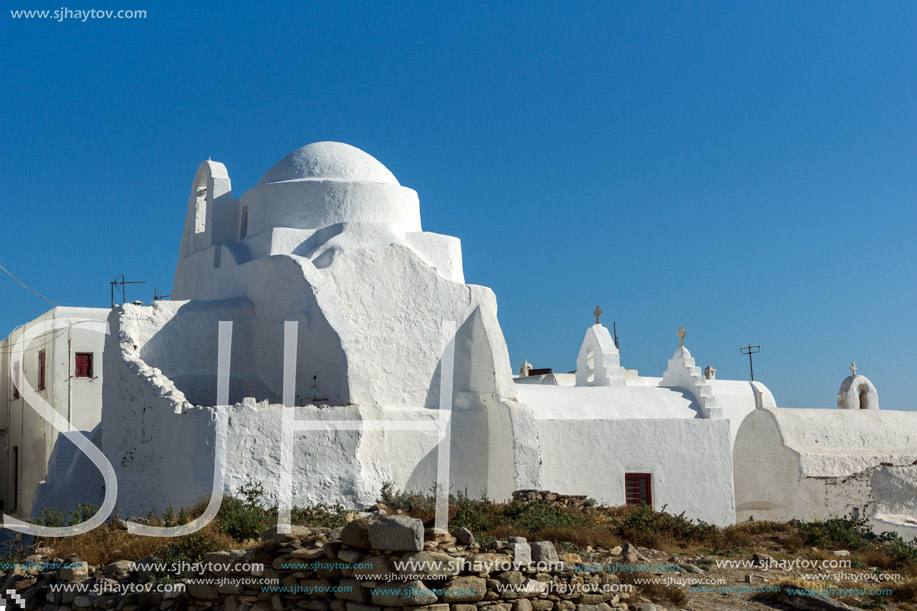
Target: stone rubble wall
371, 564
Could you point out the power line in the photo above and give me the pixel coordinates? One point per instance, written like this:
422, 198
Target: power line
31, 290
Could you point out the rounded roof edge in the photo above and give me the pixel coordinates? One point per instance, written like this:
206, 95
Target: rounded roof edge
329, 161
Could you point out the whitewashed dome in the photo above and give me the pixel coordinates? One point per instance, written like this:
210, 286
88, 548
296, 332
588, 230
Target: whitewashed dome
328, 183
329, 161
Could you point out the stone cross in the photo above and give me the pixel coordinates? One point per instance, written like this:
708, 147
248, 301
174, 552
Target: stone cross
681, 336
853, 368
597, 314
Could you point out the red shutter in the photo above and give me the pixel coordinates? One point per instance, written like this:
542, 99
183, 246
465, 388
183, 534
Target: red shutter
83, 364
638, 489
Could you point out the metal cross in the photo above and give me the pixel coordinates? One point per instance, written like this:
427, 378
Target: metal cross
750, 350
853, 368
681, 336
597, 313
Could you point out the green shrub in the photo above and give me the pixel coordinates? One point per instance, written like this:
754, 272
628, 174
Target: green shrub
646, 526
189, 549
331, 516
410, 502
849, 533
901, 552
51, 516
244, 518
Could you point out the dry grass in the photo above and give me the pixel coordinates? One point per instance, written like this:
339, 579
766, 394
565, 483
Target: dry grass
599, 527
109, 543
904, 591
656, 592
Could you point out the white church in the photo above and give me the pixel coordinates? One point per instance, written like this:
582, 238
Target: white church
345, 310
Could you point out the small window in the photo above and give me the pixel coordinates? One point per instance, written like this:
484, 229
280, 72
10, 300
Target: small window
243, 225
84, 364
638, 490
863, 391
41, 370
16, 380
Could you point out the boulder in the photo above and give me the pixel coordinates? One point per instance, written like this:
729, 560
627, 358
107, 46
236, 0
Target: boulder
521, 551
429, 565
543, 551
297, 533
74, 571
356, 534
464, 589
397, 534
406, 594
463, 536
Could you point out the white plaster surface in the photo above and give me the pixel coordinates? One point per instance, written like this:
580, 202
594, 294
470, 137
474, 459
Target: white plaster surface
689, 460
817, 463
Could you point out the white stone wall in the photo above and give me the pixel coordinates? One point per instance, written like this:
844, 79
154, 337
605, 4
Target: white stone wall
776, 479
689, 459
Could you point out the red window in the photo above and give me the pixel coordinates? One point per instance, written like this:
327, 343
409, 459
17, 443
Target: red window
84, 364
638, 489
41, 370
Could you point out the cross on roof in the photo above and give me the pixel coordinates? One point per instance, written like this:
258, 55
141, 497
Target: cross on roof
597, 314
681, 336
853, 368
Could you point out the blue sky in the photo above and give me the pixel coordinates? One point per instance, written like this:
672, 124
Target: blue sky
744, 169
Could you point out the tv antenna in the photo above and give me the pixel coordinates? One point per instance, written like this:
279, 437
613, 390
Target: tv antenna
120, 282
750, 350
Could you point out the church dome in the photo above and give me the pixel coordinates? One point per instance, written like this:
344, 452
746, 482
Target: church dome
329, 161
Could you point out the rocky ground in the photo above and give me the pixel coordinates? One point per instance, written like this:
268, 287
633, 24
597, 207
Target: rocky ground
392, 563
385, 560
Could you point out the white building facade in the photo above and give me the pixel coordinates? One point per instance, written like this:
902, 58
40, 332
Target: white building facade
56, 360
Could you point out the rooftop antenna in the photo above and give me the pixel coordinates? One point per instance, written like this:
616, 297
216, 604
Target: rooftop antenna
614, 330
157, 296
750, 350
121, 283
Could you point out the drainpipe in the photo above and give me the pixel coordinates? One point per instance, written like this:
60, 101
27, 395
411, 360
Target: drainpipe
69, 372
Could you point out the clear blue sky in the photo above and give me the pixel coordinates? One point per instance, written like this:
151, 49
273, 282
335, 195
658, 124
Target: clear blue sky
744, 169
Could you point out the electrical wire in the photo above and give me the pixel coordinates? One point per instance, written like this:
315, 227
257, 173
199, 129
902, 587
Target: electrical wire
25, 286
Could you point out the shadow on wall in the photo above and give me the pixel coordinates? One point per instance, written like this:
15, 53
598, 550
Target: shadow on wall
185, 349
475, 407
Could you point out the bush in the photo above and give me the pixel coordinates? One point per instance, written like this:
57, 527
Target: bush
189, 549
331, 516
900, 552
849, 533
645, 526
244, 518
410, 502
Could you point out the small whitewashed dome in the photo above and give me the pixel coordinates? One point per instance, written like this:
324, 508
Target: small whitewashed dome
328, 183
329, 161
